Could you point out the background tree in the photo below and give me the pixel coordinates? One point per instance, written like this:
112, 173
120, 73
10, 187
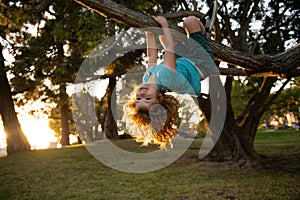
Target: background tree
66, 32
288, 101
13, 15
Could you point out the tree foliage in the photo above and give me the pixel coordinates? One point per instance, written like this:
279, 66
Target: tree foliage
49, 61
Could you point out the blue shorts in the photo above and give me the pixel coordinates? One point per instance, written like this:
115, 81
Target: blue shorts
197, 49
201, 39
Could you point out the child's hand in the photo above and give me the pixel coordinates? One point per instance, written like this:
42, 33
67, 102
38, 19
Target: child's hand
161, 20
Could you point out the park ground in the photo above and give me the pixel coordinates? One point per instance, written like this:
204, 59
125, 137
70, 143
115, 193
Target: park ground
72, 173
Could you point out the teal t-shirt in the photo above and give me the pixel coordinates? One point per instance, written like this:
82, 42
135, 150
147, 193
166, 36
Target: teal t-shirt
185, 80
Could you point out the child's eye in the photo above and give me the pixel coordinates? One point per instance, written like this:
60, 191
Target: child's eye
148, 98
138, 98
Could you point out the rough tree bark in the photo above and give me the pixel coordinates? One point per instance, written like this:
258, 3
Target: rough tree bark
16, 140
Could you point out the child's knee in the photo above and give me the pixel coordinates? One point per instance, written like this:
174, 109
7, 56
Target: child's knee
193, 24
190, 20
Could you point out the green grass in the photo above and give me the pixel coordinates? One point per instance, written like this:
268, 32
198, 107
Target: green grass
72, 173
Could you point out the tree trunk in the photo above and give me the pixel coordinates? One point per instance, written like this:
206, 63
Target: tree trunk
63, 98
236, 142
64, 110
101, 112
111, 130
15, 138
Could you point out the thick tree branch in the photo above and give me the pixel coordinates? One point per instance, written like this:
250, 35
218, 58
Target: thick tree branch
118, 13
284, 64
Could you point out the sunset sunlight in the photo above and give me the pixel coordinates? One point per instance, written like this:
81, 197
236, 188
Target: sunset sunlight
36, 128
37, 131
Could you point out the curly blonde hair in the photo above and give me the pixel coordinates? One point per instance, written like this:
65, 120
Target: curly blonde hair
155, 125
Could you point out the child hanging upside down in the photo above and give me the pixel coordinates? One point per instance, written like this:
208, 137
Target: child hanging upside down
153, 113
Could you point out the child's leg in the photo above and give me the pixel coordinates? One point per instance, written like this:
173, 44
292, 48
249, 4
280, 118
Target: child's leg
196, 31
200, 51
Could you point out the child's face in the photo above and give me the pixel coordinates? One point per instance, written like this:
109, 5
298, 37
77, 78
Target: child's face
146, 95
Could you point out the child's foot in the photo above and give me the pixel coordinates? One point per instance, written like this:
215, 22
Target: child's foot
209, 18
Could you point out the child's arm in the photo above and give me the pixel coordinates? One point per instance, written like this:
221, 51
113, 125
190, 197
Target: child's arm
169, 57
151, 50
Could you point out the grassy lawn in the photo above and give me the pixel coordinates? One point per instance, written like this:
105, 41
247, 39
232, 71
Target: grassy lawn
72, 173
